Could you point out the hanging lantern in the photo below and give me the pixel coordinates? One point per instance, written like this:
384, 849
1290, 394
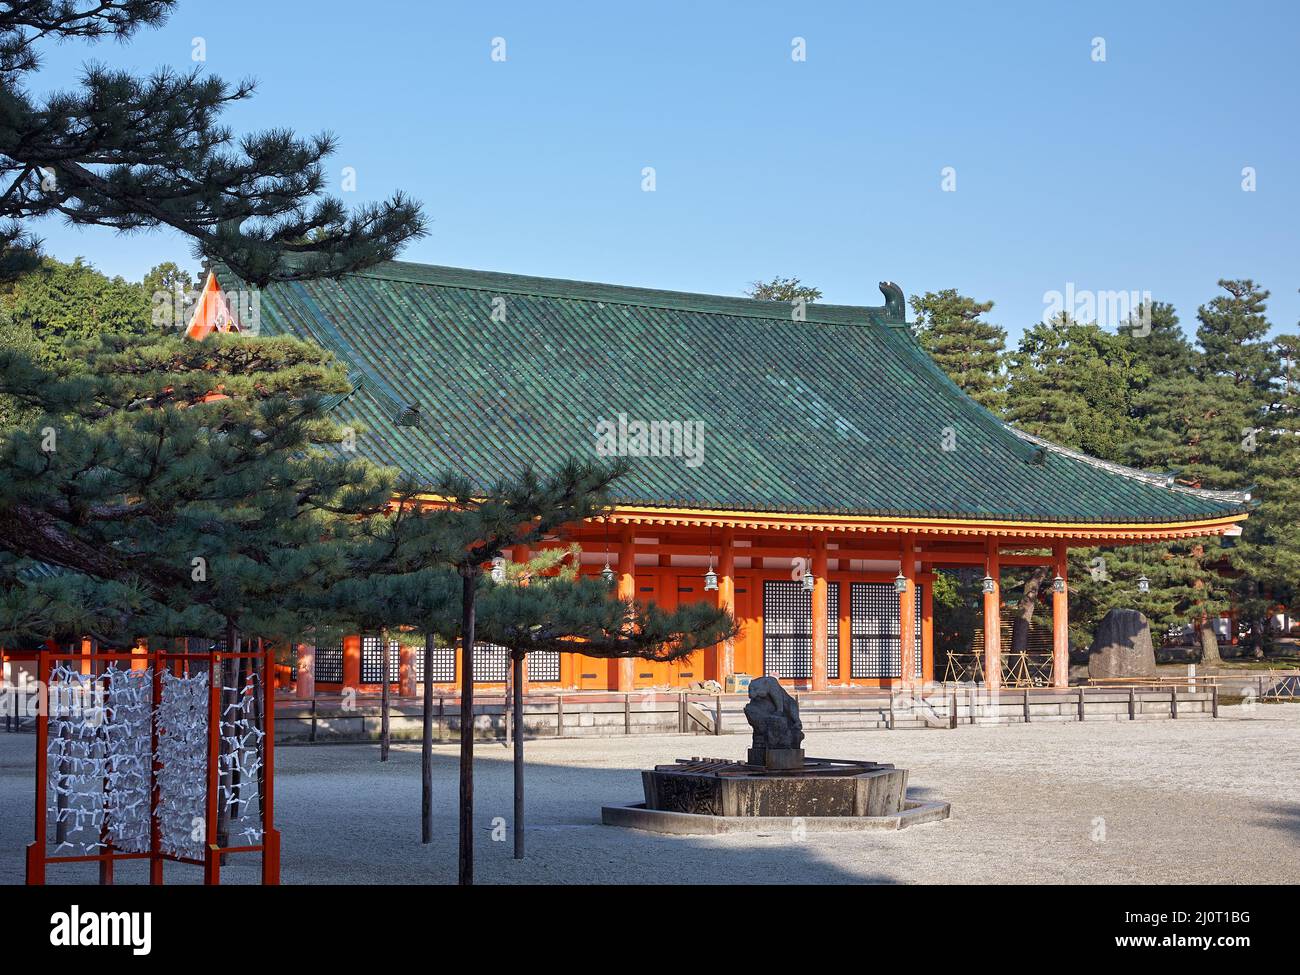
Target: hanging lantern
1144, 584
1058, 584
607, 574
498, 570
809, 582
989, 584
900, 583
710, 580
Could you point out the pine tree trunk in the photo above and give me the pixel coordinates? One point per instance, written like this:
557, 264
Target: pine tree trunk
1209, 643
1025, 611
426, 747
517, 707
385, 697
466, 858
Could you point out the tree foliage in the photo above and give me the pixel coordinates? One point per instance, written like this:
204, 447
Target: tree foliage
951, 327
140, 153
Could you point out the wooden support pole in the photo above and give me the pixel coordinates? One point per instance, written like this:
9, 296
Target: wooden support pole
1026, 705
36, 850
270, 834
819, 597
952, 714
305, 686
559, 715
992, 619
1060, 621
1214, 700
1132, 704
1173, 701
717, 715
626, 590
627, 714
1081, 697
907, 648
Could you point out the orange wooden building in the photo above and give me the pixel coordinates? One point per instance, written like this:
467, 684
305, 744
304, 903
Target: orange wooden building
808, 466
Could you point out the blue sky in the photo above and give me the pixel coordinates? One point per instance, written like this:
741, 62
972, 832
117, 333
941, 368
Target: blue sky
1117, 175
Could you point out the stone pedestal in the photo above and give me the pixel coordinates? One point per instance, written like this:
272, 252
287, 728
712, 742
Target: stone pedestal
776, 758
822, 787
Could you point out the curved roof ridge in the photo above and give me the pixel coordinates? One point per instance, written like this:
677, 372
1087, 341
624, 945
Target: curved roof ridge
1158, 480
501, 282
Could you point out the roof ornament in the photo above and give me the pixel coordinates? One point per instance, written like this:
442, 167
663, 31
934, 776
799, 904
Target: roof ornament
895, 303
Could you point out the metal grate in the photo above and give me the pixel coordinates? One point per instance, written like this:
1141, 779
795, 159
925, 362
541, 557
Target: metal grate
543, 665
873, 631
833, 631
329, 665
491, 663
787, 630
372, 660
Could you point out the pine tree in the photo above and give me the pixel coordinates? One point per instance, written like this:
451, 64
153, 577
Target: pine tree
950, 327
1270, 553
1165, 400
138, 153
783, 289
1072, 383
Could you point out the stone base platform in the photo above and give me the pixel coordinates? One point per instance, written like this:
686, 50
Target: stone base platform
636, 816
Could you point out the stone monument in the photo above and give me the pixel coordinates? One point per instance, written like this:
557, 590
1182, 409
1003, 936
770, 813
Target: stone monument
778, 732
1122, 646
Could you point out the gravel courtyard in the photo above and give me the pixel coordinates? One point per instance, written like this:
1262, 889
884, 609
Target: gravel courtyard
1099, 802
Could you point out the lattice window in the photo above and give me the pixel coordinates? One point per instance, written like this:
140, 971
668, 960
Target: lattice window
444, 665
372, 660
873, 631
329, 665
491, 663
920, 656
833, 631
543, 665
787, 630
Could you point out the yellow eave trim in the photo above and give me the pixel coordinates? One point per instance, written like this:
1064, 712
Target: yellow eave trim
1206, 526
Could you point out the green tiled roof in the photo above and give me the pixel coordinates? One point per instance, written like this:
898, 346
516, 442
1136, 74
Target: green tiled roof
840, 413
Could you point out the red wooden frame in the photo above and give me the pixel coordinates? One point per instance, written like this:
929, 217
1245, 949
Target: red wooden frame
38, 859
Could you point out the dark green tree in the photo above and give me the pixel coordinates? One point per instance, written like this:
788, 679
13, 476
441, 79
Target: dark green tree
60, 304
951, 327
1072, 383
138, 153
783, 289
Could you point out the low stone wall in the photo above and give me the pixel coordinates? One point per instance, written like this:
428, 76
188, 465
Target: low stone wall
609, 715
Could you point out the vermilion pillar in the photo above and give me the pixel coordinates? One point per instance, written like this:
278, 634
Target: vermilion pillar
992, 619
626, 590
907, 612
405, 670
306, 686
352, 662
1060, 621
819, 614
727, 599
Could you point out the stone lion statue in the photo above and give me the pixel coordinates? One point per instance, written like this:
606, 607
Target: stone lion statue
773, 714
